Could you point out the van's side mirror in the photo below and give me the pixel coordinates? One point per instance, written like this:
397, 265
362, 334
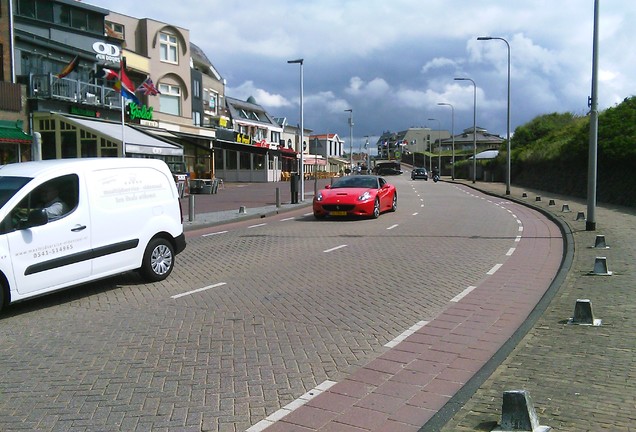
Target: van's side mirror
36, 218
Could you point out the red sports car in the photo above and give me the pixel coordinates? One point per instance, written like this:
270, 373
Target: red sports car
356, 195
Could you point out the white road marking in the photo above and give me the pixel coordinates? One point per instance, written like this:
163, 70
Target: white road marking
287, 219
257, 225
406, 334
198, 290
494, 269
510, 251
392, 226
289, 408
214, 233
415, 214
335, 248
462, 294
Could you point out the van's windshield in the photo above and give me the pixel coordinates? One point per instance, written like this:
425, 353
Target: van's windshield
9, 186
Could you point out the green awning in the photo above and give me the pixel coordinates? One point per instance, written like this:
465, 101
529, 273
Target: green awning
12, 133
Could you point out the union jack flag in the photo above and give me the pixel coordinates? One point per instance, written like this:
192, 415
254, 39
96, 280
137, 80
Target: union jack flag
148, 88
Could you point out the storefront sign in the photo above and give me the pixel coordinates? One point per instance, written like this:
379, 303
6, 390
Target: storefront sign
85, 112
243, 139
107, 52
142, 112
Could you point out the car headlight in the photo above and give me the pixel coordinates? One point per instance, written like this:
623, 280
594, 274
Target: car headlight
365, 196
319, 196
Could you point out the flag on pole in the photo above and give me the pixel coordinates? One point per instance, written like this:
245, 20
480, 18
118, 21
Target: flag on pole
148, 88
124, 85
107, 74
69, 67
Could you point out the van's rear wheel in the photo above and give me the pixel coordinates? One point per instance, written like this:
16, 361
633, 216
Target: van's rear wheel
158, 260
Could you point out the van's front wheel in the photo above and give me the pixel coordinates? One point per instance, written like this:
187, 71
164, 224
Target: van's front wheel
158, 260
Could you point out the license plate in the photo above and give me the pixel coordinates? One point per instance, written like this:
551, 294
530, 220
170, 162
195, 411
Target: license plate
338, 213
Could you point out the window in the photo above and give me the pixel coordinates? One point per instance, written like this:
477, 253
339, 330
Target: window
44, 11
170, 99
231, 162
107, 148
88, 144
196, 89
196, 118
114, 30
259, 162
245, 161
27, 8
62, 14
168, 48
213, 97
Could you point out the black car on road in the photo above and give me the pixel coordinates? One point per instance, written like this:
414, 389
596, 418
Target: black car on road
419, 173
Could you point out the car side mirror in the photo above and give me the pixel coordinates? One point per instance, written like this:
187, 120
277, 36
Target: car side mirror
328, 186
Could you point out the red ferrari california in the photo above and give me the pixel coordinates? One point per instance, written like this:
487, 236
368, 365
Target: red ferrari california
356, 195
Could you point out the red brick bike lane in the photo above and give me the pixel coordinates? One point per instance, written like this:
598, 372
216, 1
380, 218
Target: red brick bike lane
405, 387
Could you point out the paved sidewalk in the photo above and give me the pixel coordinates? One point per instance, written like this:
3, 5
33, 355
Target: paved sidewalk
238, 201
579, 377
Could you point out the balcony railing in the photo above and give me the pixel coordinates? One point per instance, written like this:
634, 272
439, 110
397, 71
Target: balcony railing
48, 86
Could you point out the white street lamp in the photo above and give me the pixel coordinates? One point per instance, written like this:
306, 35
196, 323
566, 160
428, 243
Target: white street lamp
452, 137
350, 111
301, 168
508, 132
368, 150
474, 125
439, 145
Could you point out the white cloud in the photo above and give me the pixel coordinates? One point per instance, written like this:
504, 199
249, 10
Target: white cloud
262, 97
404, 54
375, 88
439, 63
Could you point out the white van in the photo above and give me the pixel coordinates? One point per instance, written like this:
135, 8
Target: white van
110, 215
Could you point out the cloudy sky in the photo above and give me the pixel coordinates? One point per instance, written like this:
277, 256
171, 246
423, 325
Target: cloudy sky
392, 62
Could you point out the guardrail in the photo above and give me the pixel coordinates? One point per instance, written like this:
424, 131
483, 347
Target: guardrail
48, 86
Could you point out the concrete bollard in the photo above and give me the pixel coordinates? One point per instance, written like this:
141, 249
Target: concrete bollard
565, 208
242, 210
600, 267
191, 207
538, 198
583, 314
518, 413
600, 242
524, 195
277, 197
580, 216
551, 203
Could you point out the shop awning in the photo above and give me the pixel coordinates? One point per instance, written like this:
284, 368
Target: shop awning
311, 160
288, 153
10, 133
136, 141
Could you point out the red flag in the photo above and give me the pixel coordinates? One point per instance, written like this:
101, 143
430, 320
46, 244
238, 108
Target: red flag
107, 74
124, 85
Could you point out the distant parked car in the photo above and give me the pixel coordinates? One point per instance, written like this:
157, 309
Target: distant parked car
419, 173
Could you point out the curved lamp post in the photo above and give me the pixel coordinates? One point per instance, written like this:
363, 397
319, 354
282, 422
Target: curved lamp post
474, 125
301, 167
452, 137
350, 111
485, 38
439, 145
